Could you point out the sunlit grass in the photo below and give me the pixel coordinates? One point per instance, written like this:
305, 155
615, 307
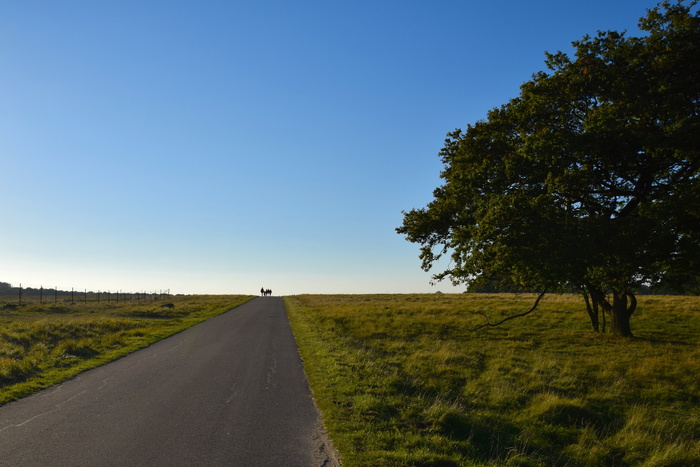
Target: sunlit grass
401, 380
41, 345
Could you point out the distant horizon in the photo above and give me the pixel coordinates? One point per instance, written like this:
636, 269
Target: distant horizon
67, 290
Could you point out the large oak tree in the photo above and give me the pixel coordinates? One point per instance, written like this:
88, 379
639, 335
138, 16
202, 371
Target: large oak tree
588, 180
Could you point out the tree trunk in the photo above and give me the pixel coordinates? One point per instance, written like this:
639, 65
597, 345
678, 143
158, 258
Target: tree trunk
592, 309
599, 303
621, 309
622, 313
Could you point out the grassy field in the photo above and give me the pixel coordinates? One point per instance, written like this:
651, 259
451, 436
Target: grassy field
41, 345
401, 380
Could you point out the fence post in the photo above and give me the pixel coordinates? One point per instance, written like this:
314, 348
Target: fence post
20, 293
72, 300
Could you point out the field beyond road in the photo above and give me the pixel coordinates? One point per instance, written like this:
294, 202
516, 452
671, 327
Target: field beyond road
401, 380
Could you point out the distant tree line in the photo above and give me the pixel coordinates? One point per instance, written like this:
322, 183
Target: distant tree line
490, 287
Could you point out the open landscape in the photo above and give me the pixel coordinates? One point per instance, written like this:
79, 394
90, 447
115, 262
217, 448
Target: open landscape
540, 161
402, 380
43, 344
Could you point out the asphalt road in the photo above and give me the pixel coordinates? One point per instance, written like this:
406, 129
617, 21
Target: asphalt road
229, 391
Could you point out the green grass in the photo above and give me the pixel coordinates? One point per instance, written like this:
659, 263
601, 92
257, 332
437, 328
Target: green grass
42, 345
401, 380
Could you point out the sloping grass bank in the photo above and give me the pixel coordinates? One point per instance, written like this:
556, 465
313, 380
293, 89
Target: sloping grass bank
400, 380
41, 345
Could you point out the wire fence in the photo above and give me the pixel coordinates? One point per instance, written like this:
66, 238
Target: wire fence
26, 295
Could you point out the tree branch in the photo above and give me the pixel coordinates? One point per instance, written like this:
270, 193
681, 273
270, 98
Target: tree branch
488, 323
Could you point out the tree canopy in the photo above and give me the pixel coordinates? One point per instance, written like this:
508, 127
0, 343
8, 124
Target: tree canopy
587, 180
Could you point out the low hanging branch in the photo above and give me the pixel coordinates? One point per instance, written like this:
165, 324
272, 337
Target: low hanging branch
489, 323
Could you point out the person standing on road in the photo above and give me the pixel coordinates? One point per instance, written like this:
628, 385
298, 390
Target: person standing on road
262, 291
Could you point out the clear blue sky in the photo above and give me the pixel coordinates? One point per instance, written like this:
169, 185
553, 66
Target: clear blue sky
222, 146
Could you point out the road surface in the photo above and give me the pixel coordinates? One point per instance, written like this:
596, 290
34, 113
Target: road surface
228, 391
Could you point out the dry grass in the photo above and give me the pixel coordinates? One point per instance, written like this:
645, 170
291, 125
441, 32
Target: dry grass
401, 380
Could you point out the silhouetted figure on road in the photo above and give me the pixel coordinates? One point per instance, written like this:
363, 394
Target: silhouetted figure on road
262, 291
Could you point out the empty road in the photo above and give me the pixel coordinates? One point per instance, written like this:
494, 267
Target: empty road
228, 391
